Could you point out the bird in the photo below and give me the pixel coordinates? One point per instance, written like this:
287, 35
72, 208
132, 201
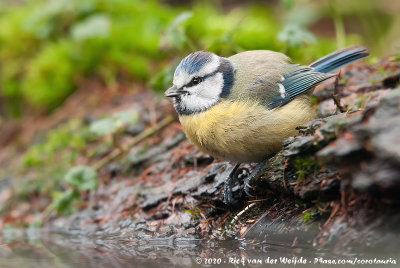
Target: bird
241, 108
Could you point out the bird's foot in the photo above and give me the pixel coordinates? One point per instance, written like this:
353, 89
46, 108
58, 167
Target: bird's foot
240, 174
248, 188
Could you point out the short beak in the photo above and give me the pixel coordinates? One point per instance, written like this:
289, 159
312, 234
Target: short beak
173, 92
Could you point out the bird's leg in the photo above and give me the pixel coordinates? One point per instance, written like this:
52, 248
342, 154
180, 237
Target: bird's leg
247, 181
228, 186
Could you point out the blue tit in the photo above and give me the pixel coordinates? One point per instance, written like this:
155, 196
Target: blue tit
243, 107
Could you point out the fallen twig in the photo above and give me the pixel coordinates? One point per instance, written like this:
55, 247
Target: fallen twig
294, 242
335, 96
333, 213
283, 175
124, 149
236, 218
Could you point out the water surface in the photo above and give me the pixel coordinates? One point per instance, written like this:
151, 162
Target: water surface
44, 248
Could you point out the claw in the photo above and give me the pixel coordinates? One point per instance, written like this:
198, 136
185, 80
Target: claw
242, 174
247, 189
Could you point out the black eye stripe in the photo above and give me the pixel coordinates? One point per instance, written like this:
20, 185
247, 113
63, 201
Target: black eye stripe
201, 78
196, 80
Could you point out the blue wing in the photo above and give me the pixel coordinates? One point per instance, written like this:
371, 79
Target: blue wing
297, 82
300, 79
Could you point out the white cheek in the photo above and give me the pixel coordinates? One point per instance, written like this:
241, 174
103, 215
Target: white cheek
211, 87
205, 94
195, 104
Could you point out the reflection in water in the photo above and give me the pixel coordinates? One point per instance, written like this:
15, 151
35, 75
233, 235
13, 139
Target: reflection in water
34, 248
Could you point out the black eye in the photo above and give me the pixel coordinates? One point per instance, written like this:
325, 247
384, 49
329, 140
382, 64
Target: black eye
195, 81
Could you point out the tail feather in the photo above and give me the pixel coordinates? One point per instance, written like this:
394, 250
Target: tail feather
339, 58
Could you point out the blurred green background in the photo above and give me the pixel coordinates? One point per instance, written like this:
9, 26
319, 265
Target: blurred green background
47, 47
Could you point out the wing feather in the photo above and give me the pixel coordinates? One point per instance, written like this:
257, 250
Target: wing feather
262, 76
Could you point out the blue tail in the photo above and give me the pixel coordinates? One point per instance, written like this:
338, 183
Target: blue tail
339, 58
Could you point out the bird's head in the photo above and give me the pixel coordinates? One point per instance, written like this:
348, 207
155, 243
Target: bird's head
200, 81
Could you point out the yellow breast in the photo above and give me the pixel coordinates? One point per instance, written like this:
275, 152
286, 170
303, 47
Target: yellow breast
245, 131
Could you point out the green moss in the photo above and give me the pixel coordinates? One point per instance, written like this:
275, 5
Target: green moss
344, 80
193, 211
305, 165
361, 101
310, 214
314, 100
306, 216
382, 71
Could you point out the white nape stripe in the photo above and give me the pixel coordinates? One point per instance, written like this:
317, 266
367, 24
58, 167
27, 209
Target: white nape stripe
282, 90
210, 67
282, 78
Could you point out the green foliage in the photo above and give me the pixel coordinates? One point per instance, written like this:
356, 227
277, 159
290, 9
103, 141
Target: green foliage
288, 4
49, 46
69, 138
49, 76
63, 202
82, 177
47, 161
304, 166
295, 36
112, 124
95, 26
175, 35
162, 79
79, 178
